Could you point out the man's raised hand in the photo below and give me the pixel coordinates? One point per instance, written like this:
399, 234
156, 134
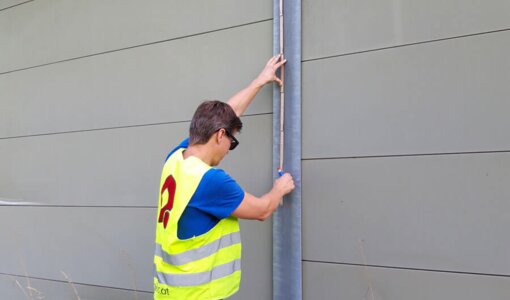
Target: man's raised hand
268, 74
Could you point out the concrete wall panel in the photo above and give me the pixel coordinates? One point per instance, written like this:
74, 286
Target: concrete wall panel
22, 288
110, 247
118, 167
331, 281
346, 26
87, 117
448, 96
405, 152
46, 31
443, 212
102, 246
158, 83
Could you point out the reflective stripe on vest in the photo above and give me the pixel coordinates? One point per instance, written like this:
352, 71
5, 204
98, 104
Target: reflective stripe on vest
199, 278
198, 253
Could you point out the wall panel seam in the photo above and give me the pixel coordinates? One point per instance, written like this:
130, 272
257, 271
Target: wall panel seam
408, 268
135, 46
407, 155
9, 7
405, 45
75, 283
114, 127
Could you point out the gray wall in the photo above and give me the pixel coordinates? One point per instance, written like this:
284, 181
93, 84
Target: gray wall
93, 95
406, 149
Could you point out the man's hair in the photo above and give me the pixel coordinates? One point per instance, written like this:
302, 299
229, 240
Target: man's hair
209, 117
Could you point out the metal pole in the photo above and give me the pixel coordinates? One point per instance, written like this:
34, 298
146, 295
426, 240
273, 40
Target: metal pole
287, 252
282, 96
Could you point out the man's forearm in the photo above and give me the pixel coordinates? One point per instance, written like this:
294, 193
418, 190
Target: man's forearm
242, 99
272, 201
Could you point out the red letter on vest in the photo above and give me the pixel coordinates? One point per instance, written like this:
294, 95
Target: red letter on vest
164, 213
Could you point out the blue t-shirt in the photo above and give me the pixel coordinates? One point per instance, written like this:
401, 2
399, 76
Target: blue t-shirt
216, 198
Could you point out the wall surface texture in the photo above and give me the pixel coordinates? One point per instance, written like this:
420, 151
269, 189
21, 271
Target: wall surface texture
406, 149
93, 95
405, 145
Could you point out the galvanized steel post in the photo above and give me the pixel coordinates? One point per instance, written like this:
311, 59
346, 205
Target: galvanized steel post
287, 271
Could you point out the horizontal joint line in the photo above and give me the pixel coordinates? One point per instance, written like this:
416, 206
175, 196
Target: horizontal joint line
93, 129
408, 268
136, 46
77, 283
114, 127
6, 8
405, 45
407, 155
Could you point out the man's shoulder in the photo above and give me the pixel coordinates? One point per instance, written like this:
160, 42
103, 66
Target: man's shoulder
218, 181
215, 176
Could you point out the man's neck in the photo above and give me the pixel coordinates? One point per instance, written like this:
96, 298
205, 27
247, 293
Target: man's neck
201, 152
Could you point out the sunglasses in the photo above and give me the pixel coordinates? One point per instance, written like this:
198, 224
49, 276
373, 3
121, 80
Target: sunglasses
233, 141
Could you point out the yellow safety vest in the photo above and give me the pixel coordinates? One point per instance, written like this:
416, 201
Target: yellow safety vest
202, 267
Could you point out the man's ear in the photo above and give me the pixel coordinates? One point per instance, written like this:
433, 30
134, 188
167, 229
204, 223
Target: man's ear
220, 135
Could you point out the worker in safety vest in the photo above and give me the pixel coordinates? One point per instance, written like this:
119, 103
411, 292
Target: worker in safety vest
198, 243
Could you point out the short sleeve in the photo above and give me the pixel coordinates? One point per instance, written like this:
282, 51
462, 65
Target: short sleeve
217, 194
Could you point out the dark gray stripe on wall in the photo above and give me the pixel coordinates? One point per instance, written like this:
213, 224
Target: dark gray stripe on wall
406, 268
74, 282
116, 127
12, 6
405, 45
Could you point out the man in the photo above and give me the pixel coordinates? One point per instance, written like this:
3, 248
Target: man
198, 244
